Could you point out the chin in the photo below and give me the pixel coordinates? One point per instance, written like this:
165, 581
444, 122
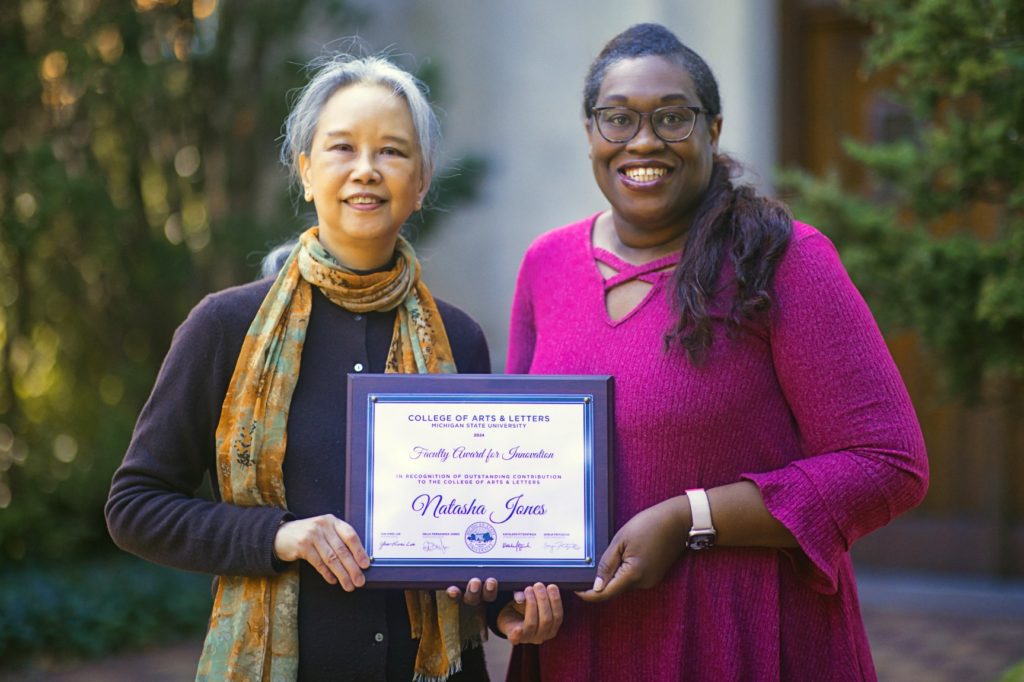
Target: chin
650, 218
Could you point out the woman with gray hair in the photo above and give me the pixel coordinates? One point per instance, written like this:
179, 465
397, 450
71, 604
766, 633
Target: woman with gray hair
253, 394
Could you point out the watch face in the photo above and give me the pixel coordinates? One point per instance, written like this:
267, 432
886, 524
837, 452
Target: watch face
701, 541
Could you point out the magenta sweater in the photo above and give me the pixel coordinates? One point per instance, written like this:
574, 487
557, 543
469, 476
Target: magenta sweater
807, 404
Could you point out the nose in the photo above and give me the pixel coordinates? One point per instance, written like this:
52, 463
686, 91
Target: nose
645, 139
364, 169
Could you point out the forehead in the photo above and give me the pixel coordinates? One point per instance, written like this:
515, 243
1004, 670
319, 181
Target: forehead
647, 79
366, 106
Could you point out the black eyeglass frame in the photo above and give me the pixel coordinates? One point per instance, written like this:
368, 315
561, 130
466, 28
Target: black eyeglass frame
697, 111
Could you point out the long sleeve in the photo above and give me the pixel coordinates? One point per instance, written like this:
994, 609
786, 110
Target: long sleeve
152, 510
865, 460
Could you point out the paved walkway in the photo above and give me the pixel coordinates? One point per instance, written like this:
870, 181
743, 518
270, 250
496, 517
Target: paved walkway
922, 628
942, 630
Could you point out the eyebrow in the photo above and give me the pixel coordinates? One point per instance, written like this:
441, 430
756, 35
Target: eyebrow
389, 138
622, 99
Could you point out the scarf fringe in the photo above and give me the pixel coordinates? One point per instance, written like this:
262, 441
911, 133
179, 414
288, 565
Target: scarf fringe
253, 632
456, 667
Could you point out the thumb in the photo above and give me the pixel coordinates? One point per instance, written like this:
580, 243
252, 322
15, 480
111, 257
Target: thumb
608, 565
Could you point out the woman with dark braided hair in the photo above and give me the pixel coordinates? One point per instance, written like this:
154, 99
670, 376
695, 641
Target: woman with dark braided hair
761, 425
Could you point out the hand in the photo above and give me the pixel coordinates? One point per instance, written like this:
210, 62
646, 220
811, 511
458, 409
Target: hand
473, 594
329, 544
642, 551
534, 616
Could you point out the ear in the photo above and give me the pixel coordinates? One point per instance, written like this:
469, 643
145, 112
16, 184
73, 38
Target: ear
424, 187
306, 176
715, 131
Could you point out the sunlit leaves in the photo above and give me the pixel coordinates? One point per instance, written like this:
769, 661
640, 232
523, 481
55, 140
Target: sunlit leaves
938, 243
120, 162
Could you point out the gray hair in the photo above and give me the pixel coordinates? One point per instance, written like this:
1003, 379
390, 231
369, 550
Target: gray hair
330, 74
334, 72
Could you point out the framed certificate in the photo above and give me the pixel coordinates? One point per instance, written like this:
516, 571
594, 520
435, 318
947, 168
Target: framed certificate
457, 476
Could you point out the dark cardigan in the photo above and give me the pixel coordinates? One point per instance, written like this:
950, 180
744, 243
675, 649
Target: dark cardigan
152, 510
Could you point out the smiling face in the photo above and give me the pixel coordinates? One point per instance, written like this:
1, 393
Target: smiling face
363, 173
654, 187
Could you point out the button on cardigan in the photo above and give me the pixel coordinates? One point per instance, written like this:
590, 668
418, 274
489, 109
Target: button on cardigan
153, 513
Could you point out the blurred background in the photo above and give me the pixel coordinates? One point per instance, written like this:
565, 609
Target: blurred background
138, 172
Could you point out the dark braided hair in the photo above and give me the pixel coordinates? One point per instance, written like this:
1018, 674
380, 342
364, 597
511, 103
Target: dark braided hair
731, 221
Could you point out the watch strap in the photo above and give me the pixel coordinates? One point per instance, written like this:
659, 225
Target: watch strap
700, 511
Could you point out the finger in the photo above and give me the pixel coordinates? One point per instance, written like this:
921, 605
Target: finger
490, 590
540, 592
594, 597
351, 539
346, 552
544, 615
453, 593
550, 615
557, 610
531, 616
339, 562
473, 589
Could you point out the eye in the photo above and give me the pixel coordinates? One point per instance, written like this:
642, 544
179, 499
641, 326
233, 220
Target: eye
619, 119
392, 151
340, 147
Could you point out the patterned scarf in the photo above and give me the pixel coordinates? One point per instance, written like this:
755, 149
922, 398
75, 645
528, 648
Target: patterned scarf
253, 631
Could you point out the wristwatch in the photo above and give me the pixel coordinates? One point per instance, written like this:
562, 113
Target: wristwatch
702, 534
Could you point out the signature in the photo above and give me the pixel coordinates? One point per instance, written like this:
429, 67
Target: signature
517, 546
553, 547
395, 543
435, 546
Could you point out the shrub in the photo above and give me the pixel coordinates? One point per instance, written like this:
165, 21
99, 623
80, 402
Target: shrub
94, 608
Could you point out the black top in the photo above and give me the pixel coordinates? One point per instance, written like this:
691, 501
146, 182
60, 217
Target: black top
152, 511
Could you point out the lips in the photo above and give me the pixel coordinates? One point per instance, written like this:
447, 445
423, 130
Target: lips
364, 202
640, 174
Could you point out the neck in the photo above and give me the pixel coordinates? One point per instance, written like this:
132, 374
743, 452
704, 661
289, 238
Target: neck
360, 256
637, 245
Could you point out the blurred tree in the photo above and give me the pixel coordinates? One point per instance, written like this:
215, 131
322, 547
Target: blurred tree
937, 242
137, 173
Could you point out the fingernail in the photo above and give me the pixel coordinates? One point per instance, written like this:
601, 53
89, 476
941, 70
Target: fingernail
453, 593
519, 597
598, 584
491, 584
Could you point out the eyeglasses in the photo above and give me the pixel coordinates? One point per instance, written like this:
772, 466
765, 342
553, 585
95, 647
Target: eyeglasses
670, 124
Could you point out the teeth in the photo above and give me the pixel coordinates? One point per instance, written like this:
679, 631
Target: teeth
645, 174
364, 200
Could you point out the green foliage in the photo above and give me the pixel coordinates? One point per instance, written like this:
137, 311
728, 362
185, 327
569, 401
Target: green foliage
138, 171
1014, 673
96, 608
915, 244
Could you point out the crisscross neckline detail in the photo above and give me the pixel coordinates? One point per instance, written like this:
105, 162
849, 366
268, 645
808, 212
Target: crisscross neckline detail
648, 272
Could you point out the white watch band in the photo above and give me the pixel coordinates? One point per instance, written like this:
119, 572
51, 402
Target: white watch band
700, 511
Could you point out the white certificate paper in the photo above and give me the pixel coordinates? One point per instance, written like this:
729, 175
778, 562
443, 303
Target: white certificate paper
479, 481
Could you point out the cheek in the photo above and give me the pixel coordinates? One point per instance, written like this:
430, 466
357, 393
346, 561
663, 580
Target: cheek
600, 159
